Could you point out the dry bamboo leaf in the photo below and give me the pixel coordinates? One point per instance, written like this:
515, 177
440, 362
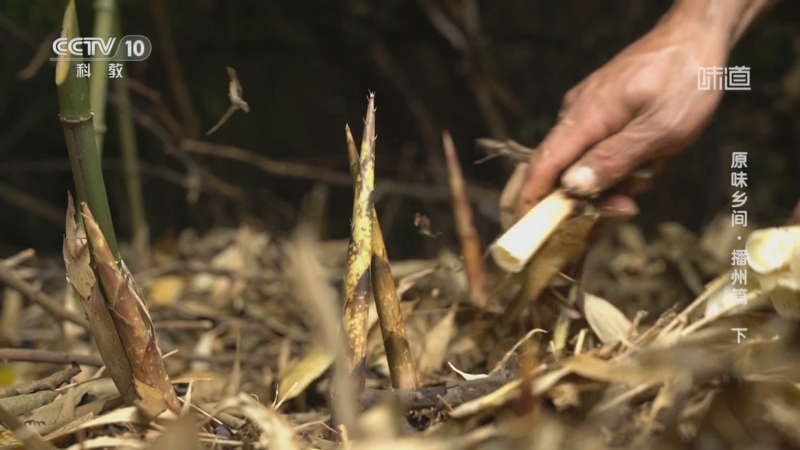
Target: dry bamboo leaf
21, 404
437, 339
234, 382
783, 414
205, 348
65, 431
472, 440
599, 370
381, 421
11, 306
224, 289
301, 375
60, 411
130, 414
467, 376
166, 290
508, 393
180, 434
76, 257
668, 403
278, 433
20, 432
565, 395
773, 254
786, 302
109, 442
235, 95
49, 383
235, 91
318, 298
608, 323
772, 249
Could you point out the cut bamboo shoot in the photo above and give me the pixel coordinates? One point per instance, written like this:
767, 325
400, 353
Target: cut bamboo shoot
518, 245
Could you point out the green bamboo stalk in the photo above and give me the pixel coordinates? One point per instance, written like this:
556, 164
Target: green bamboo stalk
76, 119
130, 159
98, 84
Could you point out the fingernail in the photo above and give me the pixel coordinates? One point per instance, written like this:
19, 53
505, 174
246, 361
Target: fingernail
618, 213
580, 180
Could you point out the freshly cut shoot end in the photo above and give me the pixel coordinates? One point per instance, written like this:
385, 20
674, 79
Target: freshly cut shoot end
512, 251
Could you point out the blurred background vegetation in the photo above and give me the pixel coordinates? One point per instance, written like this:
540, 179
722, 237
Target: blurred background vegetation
478, 68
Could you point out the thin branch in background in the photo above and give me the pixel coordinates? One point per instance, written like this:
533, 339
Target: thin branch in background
281, 168
509, 148
196, 175
169, 55
48, 356
31, 204
148, 169
289, 169
40, 58
469, 41
12, 28
9, 277
444, 25
19, 258
167, 119
28, 119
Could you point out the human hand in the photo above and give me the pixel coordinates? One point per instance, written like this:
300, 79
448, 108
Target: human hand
641, 107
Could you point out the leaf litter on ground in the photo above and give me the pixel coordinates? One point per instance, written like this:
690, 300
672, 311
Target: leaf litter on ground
649, 358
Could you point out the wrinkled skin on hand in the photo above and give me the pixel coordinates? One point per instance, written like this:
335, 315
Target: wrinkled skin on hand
640, 108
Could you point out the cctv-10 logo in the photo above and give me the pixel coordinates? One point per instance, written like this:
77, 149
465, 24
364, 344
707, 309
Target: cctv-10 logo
130, 48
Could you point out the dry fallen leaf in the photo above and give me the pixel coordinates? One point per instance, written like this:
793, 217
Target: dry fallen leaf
303, 373
608, 323
166, 290
467, 376
180, 434
235, 96
435, 344
773, 255
277, 433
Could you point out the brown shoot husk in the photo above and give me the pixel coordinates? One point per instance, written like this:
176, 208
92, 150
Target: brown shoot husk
393, 330
132, 323
358, 286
